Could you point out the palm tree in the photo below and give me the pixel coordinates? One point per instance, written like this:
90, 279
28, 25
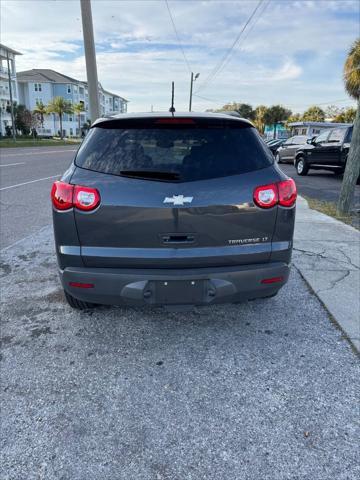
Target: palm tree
352, 169
40, 110
78, 108
59, 106
259, 121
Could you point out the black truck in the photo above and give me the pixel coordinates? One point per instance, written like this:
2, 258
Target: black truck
327, 151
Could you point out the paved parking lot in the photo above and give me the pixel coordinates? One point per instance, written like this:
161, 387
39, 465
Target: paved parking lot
319, 184
261, 390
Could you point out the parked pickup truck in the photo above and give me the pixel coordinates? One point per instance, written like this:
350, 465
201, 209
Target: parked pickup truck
327, 151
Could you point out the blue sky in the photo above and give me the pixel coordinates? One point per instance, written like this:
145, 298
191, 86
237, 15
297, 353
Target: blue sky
292, 52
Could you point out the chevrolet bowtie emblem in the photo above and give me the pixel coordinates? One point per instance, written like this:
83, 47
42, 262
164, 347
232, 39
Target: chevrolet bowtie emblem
178, 199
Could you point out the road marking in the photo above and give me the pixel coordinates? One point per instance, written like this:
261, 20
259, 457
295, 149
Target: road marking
38, 153
12, 164
32, 181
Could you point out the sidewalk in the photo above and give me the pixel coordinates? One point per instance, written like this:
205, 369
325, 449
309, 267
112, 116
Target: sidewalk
327, 254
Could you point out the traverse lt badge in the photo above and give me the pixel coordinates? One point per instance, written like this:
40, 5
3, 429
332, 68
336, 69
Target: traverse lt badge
178, 199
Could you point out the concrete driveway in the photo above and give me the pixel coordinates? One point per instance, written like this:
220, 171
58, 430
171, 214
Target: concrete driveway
261, 390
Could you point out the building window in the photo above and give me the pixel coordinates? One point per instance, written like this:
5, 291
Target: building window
71, 132
70, 119
69, 89
37, 87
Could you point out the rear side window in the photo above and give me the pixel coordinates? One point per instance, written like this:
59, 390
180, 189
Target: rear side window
337, 135
190, 152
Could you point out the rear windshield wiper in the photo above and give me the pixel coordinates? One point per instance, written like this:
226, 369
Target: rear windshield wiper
151, 174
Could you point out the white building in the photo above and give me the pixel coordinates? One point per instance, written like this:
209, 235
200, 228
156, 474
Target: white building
311, 129
42, 85
5, 54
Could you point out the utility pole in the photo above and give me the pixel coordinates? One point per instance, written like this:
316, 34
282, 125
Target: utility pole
11, 98
192, 80
90, 57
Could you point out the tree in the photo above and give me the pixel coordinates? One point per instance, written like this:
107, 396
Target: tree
346, 115
352, 168
294, 117
332, 111
314, 114
78, 108
259, 120
21, 118
59, 106
40, 111
243, 109
275, 115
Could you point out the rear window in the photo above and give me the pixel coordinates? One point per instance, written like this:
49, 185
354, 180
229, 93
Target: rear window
189, 152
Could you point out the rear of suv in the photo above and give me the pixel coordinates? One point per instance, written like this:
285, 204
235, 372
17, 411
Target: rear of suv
172, 209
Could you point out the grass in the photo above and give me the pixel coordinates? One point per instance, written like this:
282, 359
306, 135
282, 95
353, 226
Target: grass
329, 208
38, 142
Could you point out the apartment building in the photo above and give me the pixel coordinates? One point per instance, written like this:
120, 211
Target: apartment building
7, 57
42, 85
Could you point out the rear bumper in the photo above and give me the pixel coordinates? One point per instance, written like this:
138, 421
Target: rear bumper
200, 286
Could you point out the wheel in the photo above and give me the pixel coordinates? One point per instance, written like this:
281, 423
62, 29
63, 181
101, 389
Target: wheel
77, 304
301, 166
277, 158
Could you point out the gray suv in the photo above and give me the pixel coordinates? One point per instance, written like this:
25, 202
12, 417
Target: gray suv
172, 209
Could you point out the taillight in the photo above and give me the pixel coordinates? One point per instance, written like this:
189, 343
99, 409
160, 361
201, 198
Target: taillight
281, 193
86, 198
65, 196
266, 196
62, 195
287, 192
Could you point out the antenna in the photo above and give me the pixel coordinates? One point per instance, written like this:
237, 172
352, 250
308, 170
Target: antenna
172, 108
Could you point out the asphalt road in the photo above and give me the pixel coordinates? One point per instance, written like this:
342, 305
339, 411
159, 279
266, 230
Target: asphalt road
26, 176
262, 390
319, 184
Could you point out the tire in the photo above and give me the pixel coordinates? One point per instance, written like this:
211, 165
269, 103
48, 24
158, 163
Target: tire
301, 166
277, 158
77, 304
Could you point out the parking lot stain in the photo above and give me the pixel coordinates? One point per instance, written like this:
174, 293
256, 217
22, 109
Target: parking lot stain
6, 269
36, 332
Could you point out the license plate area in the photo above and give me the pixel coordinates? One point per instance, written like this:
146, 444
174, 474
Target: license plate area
177, 292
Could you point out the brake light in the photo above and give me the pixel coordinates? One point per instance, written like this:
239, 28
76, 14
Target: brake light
175, 120
266, 196
65, 196
287, 192
62, 195
281, 193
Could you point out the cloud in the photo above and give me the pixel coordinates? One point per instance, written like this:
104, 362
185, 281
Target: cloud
138, 54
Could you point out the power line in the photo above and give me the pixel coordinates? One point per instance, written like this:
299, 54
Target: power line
177, 36
218, 67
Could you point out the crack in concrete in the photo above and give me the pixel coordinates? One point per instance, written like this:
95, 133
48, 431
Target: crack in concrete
333, 283
331, 259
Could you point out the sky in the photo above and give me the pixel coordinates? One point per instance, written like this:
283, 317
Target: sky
291, 52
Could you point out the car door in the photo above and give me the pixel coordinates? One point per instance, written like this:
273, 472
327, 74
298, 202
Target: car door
285, 150
296, 143
333, 147
318, 153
